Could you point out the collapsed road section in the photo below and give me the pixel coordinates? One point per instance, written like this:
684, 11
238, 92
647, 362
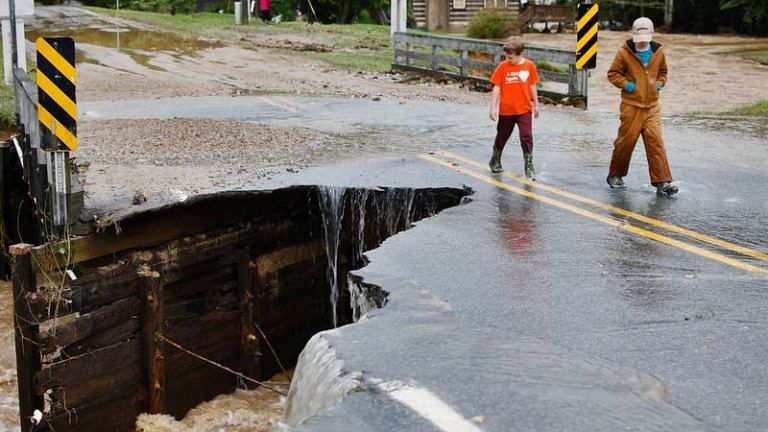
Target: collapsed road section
101, 319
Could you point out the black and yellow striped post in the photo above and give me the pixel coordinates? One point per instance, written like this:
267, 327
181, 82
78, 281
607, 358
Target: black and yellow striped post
586, 39
57, 115
56, 101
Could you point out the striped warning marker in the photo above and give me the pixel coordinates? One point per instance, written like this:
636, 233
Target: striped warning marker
586, 39
56, 101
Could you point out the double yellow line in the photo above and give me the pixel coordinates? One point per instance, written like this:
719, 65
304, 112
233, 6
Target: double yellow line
608, 220
269, 101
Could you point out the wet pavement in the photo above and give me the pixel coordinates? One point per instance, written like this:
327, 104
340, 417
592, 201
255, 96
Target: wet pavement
550, 305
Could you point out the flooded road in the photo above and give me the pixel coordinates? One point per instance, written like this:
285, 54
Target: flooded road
558, 305
9, 403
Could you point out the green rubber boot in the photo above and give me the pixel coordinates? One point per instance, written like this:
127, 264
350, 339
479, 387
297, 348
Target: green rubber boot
529, 171
495, 162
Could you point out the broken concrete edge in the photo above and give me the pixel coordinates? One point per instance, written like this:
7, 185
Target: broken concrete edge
102, 220
75, 249
334, 392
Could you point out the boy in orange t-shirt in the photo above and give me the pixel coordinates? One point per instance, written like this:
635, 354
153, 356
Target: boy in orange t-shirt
515, 102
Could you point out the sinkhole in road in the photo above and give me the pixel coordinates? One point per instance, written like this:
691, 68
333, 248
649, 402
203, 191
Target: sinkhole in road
241, 279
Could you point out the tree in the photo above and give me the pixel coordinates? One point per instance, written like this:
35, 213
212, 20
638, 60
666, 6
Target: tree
754, 13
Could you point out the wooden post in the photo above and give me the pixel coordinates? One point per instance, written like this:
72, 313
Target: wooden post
250, 360
435, 63
27, 353
4, 261
152, 316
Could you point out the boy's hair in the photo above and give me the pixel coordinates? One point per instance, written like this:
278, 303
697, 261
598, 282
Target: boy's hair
514, 45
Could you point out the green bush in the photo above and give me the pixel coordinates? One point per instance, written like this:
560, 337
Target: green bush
7, 108
492, 24
163, 6
286, 8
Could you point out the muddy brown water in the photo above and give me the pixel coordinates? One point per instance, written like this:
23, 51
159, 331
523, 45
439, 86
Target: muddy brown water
130, 40
241, 411
9, 404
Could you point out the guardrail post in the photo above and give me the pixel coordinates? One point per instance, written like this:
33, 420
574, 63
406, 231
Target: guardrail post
151, 292
463, 62
26, 329
574, 87
408, 51
435, 63
397, 45
250, 345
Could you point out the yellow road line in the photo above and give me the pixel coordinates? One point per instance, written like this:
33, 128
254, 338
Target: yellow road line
59, 62
276, 104
603, 219
56, 128
623, 212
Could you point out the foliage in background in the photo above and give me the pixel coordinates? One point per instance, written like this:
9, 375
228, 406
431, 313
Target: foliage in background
284, 8
7, 108
695, 16
754, 13
492, 24
328, 11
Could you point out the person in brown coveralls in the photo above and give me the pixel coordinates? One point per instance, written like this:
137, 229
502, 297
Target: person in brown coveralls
640, 71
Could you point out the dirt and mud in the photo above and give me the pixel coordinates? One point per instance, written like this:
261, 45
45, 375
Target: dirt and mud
119, 59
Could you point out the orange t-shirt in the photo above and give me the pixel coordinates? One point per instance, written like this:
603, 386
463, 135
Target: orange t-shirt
515, 82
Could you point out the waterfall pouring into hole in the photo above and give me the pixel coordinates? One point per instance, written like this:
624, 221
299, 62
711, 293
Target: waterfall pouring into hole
331, 201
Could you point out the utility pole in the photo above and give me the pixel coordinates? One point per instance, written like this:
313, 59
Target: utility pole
14, 42
12, 14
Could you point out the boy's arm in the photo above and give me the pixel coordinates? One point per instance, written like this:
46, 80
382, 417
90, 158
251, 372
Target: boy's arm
535, 101
662, 75
495, 99
616, 71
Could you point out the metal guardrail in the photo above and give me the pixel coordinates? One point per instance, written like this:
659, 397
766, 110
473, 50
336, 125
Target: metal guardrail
450, 56
35, 162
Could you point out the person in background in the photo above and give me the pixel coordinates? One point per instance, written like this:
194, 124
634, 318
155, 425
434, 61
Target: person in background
264, 13
640, 71
515, 102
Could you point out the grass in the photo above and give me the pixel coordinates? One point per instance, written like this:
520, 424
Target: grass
552, 67
756, 55
353, 46
7, 108
758, 109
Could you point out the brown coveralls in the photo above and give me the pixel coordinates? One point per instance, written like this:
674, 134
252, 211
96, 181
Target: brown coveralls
639, 112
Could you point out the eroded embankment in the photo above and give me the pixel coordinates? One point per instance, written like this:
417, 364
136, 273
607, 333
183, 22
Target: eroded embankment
218, 276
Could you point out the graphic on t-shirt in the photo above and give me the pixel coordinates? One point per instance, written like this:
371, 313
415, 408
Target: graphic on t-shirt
516, 76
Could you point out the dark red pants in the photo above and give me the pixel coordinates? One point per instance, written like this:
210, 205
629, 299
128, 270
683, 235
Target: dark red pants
507, 124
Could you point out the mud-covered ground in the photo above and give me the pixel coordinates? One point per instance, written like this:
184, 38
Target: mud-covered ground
148, 67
